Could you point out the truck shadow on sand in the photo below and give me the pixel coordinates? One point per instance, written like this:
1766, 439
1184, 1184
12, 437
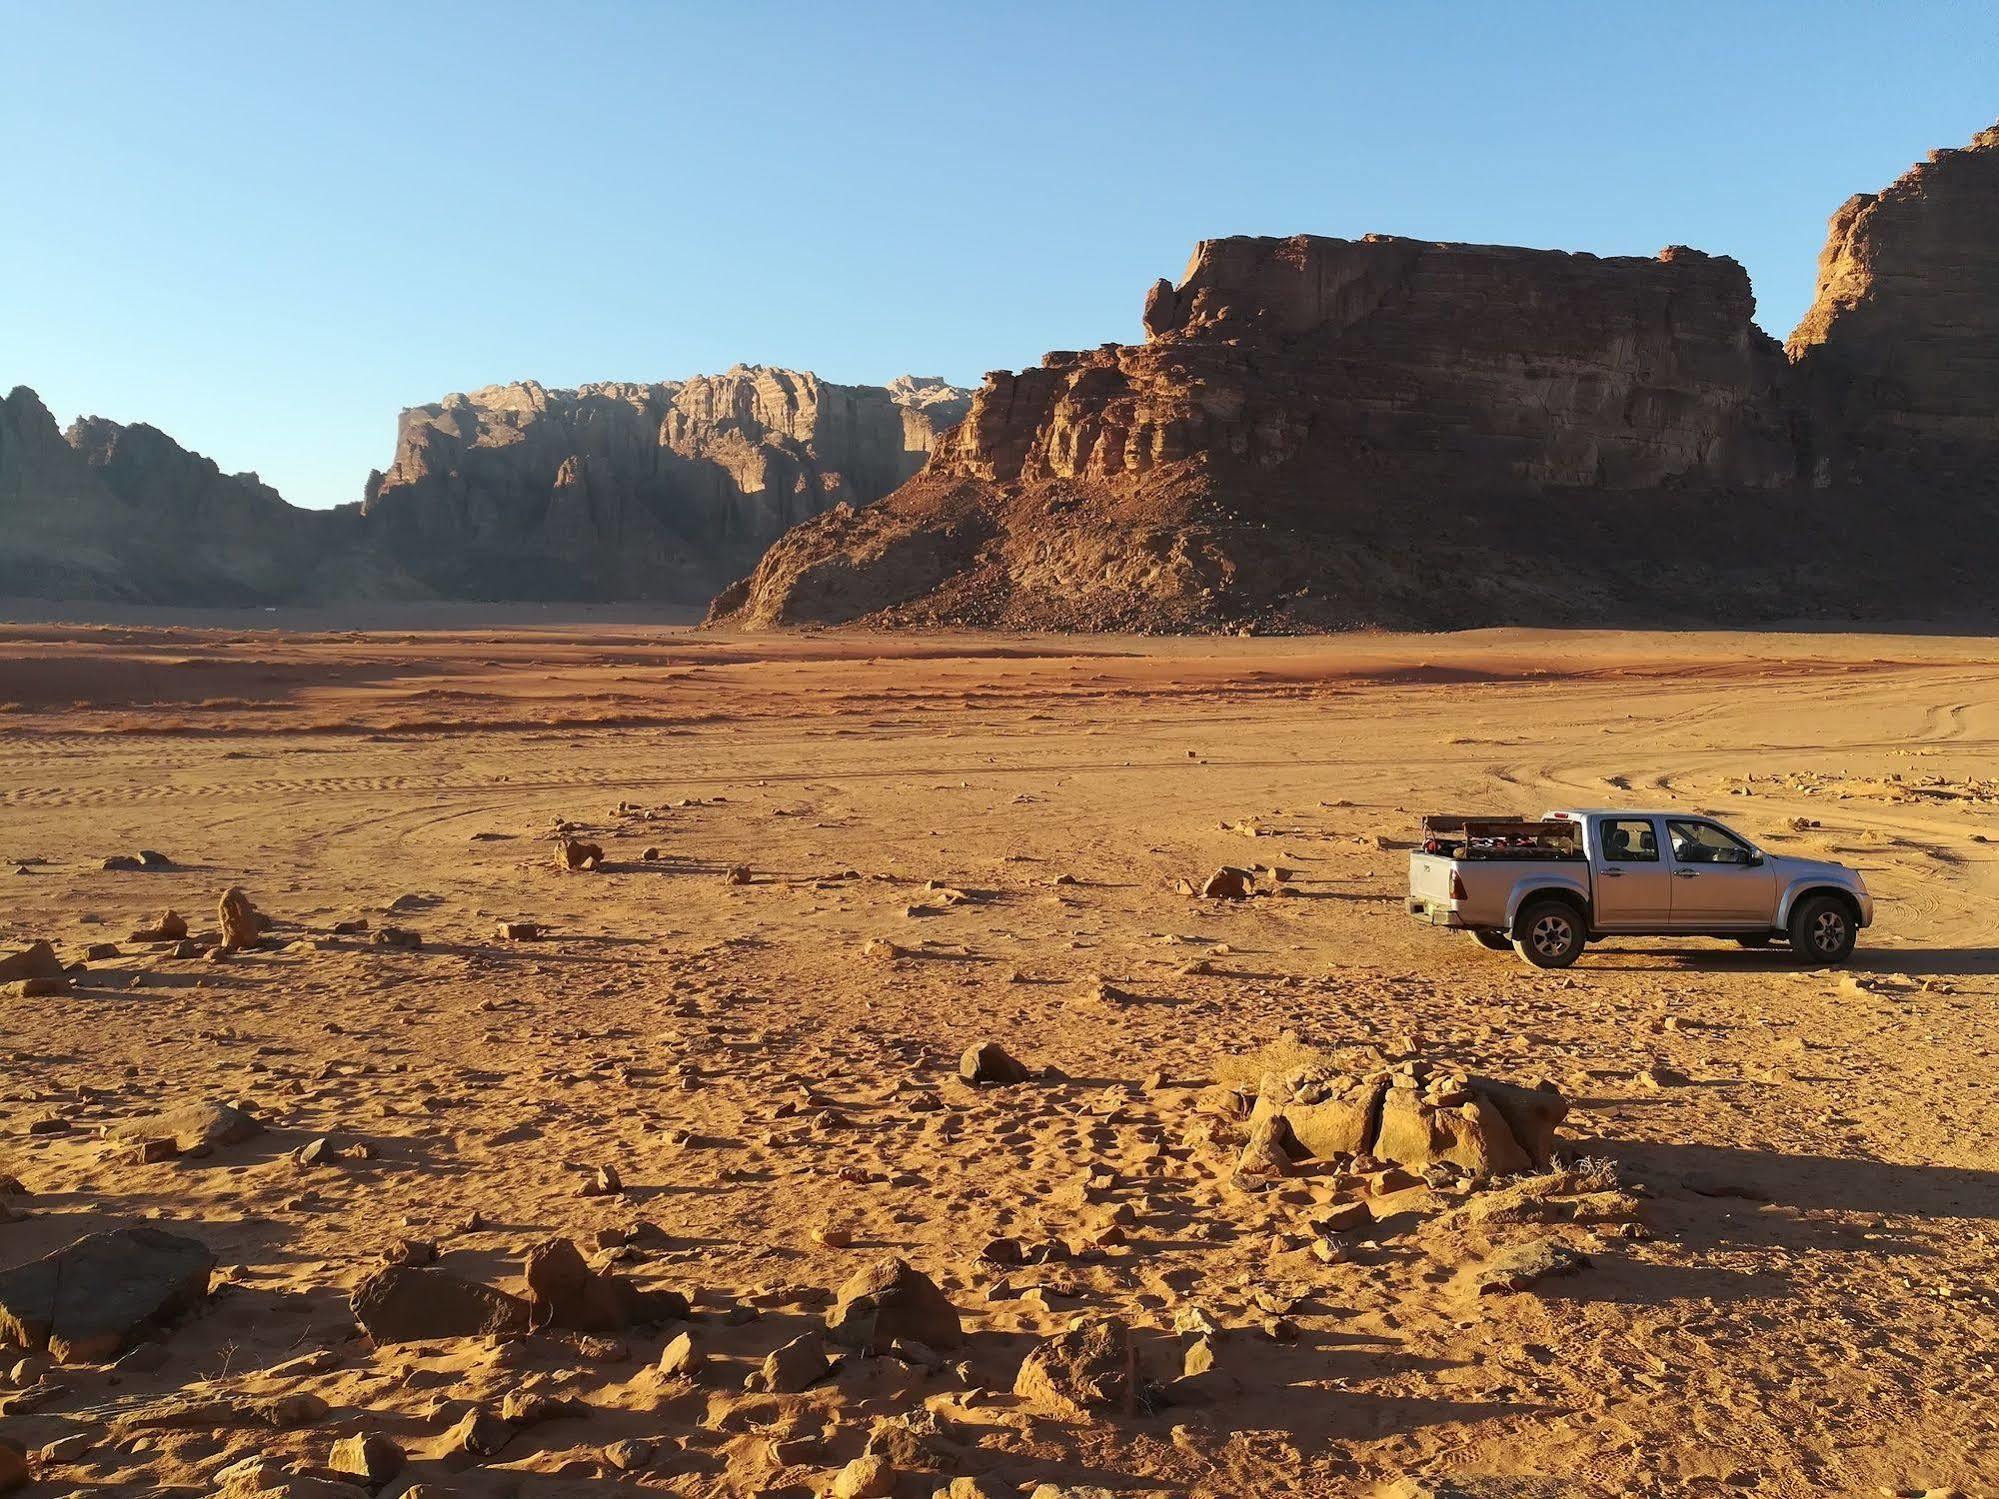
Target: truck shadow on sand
1921, 962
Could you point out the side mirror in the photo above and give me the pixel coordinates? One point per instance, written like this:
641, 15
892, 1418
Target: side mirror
1754, 861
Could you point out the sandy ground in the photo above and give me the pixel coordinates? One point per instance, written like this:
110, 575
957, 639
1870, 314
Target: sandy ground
1806, 1305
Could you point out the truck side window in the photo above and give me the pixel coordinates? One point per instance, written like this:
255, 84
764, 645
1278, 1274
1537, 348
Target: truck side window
1704, 843
1630, 842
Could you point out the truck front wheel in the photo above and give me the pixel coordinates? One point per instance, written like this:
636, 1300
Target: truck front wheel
1492, 941
1549, 934
1822, 930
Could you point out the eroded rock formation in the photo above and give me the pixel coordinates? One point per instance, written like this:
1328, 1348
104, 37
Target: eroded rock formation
1323, 432
638, 491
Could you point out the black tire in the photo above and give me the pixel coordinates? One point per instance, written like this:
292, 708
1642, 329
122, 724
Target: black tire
1823, 931
1549, 934
1759, 939
1492, 941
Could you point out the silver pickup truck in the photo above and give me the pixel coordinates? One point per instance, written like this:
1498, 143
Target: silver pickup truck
1546, 887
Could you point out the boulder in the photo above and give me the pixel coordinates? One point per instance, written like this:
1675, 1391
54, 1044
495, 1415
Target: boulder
368, 1456
88, 1302
171, 927
565, 1292
683, 1358
412, 1304
890, 1301
243, 925
794, 1366
989, 1062
1328, 1112
1085, 1371
1228, 883
37, 960
573, 854
198, 1122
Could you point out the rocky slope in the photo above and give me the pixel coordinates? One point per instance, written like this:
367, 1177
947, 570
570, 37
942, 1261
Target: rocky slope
513, 492
637, 491
1323, 432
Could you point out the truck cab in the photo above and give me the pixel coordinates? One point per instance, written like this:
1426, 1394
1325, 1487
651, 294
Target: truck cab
1546, 887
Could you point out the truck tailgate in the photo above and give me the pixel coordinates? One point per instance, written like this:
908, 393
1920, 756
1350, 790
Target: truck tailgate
1430, 878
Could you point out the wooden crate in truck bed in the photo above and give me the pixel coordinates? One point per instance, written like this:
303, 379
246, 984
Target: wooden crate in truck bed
1502, 837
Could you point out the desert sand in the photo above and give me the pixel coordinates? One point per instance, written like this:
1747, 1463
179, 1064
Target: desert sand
874, 852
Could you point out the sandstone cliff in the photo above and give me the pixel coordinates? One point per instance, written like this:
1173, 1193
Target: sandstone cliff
1900, 350
1322, 433
637, 491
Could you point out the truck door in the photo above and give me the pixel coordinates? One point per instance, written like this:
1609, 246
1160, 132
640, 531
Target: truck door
1631, 888
1718, 882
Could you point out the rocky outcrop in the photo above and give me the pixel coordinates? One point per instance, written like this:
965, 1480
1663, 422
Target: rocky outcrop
1900, 350
515, 492
638, 491
107, 511
1323, 433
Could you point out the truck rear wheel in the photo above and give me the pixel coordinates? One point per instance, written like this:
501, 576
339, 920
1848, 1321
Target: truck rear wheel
1823, 930
1492, 941
1549, 934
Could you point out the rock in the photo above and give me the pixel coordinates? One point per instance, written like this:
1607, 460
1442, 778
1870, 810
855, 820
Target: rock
565, 1292
189, 1126
1414, 1115
683, 1358
1528, 1264
1228, 883
405, 1304
736, 874
86, 1302
120, 862
368, 1456
796, 1365
101, 952
629, 1455
243, 925
888, 1301
1085, 1371
864, 1478
573, 854
37, 960
517, 931
398, 936
39, 988
65, 1449
479, 1433
152, 858
989, 1062
171, 927
536, 1407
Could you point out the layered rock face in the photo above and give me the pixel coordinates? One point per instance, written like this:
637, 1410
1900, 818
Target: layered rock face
637, 491
1322, 433
1900, 349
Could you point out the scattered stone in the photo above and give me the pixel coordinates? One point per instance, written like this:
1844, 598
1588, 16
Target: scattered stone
356, 927
480, 1434
37, 960
101, 952
66, 1449
737, 874
171, 927
989, 1062
121, 861
683, 1358
517, 931
411, 1252
398, 936
629, 1455
38, 988
87, 1302
888, 1301
1087, 1370
1228, 883
368, 1456
794, 1366
152, 858
864, 1478
573, 854
243, 925
406, 1304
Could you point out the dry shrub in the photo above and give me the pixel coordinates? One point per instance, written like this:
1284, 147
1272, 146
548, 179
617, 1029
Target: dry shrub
1286, 1054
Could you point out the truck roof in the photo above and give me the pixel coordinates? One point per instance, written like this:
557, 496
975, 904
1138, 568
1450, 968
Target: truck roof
1581, 812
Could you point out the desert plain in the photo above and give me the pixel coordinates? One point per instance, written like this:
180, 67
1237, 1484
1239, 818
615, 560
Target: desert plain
726, 1063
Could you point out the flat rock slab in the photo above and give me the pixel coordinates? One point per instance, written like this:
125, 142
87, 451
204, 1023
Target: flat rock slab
87, 1302
406, 1304
37, 960
1526, 1266
204, 1122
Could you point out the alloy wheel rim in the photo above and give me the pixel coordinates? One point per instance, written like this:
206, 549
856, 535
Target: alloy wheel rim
1829, 931
1550, 936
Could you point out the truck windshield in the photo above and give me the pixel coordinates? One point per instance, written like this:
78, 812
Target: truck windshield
1704, 843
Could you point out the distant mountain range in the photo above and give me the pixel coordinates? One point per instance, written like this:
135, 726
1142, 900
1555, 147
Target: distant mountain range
1316, 433
514, 492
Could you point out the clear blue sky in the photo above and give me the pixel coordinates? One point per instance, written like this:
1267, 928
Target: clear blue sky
266, 228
